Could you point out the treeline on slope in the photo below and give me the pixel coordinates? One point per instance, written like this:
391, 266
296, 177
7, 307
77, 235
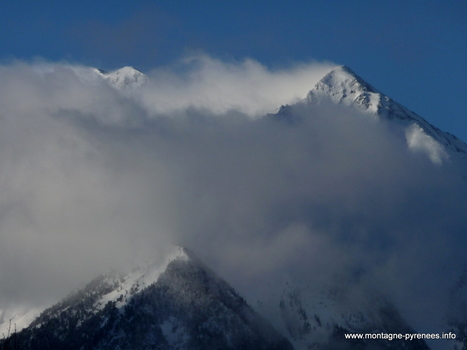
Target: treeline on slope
188, 307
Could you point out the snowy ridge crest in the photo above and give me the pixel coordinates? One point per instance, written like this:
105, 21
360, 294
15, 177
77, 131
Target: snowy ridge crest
124, 78
137, 280
179, 304
343, 86
111, 287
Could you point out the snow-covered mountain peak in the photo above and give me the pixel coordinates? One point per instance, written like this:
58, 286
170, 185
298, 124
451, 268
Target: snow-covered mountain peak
343, 87
126, 285
344, 79
114, 287
124, 78
177, 304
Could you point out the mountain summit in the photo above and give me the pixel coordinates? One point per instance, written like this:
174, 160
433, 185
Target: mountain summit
124, 78
342, 86
179, 304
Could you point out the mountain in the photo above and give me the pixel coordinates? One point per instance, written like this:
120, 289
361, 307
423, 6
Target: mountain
124, 78
179, 304
17, 317
319, 318
183, 304
342, 86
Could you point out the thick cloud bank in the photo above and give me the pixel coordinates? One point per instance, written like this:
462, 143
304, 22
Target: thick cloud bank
94, 177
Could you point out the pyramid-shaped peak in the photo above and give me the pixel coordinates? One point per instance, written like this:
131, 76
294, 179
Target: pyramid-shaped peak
342, 78
343, 86
342, 70
124, 78
127, 70
128, 73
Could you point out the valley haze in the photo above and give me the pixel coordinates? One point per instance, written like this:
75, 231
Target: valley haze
101, 172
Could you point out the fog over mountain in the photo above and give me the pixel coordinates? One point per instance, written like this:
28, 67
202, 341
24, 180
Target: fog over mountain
96, 176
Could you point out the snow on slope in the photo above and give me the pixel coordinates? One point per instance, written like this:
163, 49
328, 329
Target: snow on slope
343, 86
20, 316
177, 304
124, 78
137, 280
309, 317
17, 317
318, 317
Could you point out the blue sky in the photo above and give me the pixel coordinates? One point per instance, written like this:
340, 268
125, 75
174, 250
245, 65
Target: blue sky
413, 51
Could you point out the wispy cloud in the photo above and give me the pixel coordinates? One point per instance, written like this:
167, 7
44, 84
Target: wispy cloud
94, 177
247, 86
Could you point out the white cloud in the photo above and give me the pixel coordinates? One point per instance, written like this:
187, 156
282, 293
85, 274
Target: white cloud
92, 177
419, 141
206, 83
